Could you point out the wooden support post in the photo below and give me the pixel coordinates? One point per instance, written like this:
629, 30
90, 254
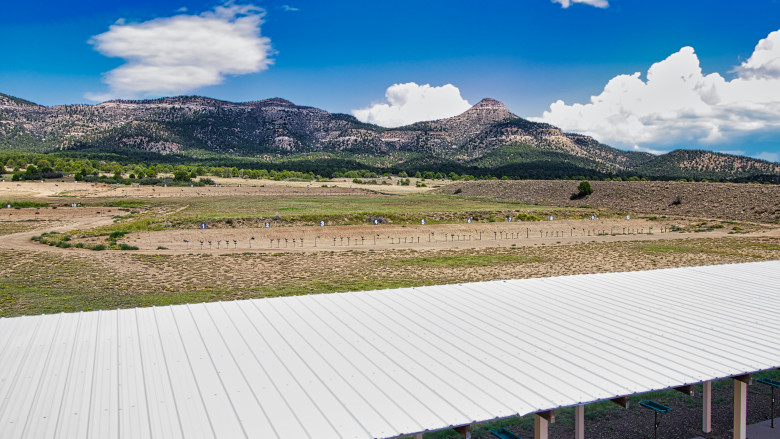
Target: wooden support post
579, 422
418, 436
464, 431
740, 406
622, 401
541, 427
706, 424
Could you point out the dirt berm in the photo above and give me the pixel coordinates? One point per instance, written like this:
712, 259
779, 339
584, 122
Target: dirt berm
730, 201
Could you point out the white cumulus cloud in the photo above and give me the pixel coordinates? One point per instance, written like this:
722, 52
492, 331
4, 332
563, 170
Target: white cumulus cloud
679, 105
597, 3
409, 103
175, 55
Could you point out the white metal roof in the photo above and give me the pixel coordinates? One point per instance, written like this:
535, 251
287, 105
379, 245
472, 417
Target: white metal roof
383, 363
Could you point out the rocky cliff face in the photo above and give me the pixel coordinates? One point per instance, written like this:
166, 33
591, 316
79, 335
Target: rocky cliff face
487, 132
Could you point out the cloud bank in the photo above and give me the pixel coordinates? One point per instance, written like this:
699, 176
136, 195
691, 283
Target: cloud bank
175, 55
409, 103
679, 105
597, 3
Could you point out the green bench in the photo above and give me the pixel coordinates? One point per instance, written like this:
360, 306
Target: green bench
656, 407
503, 433
769, 382
772, 384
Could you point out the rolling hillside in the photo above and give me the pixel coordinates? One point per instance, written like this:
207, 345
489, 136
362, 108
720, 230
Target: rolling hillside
487, 139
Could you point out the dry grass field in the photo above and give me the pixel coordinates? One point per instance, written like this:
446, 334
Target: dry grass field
76, 261
174, 261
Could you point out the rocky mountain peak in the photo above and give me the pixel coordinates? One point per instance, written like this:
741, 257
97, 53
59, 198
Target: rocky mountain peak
490, 110
487, 111
489, 103
278, 102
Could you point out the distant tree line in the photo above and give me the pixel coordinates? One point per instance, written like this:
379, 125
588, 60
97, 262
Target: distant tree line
109, 167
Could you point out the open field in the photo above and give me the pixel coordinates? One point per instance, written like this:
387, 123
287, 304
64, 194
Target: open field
236, 256
170, 265
33, 282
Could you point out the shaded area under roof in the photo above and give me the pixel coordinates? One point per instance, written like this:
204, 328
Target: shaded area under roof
387, 363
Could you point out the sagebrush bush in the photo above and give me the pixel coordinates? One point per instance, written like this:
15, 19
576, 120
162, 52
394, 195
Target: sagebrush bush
584, 189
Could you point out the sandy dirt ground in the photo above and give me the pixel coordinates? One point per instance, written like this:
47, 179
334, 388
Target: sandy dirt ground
13, 190
39, 221
429, 237
378, 237
224, 187
228, 187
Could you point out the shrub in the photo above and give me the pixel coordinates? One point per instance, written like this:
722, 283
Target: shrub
584, 189
181, 175
526, 217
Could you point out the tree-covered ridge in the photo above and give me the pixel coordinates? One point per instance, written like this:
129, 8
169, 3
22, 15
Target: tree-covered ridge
486, 140
6, 100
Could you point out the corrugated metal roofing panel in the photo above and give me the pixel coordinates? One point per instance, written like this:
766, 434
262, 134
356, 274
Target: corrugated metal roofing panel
383, 363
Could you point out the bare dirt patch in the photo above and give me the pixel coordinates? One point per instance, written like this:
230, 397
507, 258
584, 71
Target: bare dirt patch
427, 237
13, 189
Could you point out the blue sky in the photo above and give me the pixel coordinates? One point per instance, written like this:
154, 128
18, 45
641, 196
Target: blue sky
345, 56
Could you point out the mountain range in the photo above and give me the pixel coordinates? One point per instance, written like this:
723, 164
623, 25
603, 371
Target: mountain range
487, 139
